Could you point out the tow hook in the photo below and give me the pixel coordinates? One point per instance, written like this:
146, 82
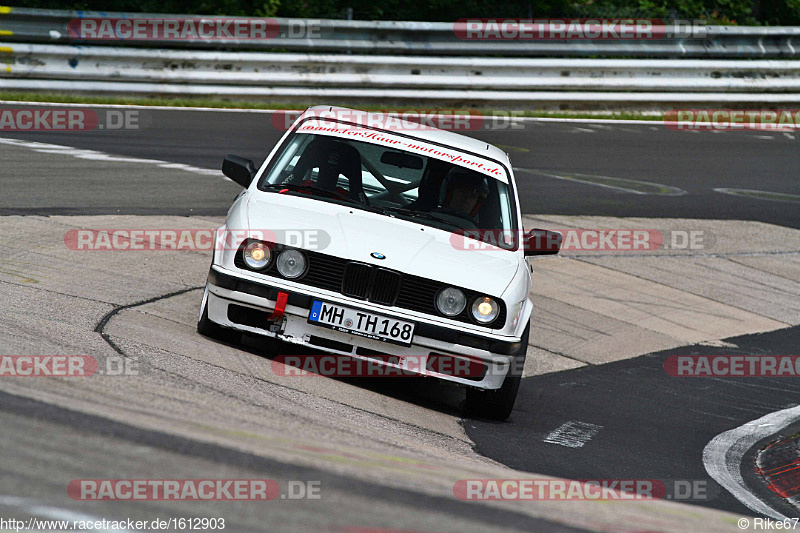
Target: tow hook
277, 318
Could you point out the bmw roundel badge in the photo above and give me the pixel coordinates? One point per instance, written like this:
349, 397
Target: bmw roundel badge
378, 255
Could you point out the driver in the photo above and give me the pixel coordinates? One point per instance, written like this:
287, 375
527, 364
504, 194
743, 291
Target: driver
464, 192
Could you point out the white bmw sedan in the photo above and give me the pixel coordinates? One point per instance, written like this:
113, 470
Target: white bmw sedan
372, 238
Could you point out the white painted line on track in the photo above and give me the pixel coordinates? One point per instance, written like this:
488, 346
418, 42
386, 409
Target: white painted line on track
94, 155
722, 457
760, 195
573, 434
35, 508
620, 184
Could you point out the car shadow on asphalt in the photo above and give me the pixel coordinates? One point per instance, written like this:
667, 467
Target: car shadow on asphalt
426, 392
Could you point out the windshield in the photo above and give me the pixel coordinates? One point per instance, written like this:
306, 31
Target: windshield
390, 181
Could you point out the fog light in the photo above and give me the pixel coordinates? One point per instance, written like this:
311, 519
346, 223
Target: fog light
291, 264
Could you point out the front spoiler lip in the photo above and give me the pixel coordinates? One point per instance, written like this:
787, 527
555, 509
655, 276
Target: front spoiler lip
451, 335
296, 330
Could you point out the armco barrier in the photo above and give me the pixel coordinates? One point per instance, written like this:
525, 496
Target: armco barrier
676, 39
196, 67
38, 52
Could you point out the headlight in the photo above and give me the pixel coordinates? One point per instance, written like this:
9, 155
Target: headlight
485, 310
451, 301
256, 255
291, 264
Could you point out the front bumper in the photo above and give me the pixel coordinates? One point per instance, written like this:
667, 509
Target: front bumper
238, 302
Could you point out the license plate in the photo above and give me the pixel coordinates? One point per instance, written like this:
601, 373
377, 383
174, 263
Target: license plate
361, 323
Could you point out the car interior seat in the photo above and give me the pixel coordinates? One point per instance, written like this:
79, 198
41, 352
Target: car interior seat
331, 158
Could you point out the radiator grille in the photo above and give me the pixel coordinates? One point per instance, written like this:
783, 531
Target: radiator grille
378, 285
385, 286
357, 280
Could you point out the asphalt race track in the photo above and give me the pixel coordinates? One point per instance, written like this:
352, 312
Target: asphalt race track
762, 161
596, 402
635, 402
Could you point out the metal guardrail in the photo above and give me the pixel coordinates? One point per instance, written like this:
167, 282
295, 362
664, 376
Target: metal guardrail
421, 38
35, 55
238, 69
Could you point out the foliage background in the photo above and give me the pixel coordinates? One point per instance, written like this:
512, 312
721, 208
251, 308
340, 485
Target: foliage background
741, 12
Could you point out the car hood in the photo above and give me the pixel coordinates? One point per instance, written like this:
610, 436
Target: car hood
354, 234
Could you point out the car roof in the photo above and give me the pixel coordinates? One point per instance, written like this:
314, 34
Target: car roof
419, 131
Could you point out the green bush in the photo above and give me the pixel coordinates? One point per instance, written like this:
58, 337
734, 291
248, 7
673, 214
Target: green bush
742, 12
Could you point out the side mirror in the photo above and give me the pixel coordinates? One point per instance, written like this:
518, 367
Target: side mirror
239, 169
542, 242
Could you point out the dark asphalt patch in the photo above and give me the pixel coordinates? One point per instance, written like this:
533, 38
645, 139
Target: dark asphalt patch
654, 426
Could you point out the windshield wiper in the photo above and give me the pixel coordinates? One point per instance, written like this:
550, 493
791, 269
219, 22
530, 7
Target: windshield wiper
330, 194
426, 215
297, 187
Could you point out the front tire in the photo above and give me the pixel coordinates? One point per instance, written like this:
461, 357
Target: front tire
498, 404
